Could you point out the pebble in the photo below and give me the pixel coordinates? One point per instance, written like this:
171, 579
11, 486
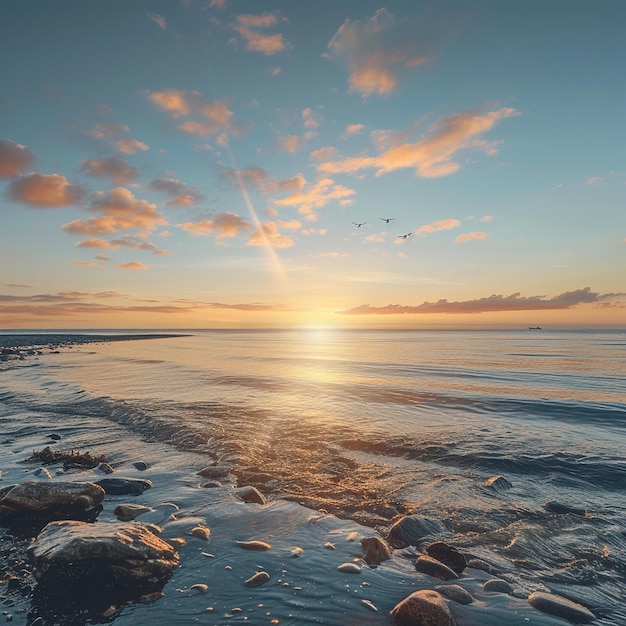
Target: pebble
375, 550
127, 512
370, 605
201, 532
251, 494
140, 466
422, 607
105, 468
349, 568
499, 484
177, 542
561, 607
42, 472
297, 551
329, 545
254, 545
498, 585
257, 579
448, 555
433, 567
201, 587
456, 593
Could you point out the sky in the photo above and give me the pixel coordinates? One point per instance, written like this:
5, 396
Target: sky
338, 163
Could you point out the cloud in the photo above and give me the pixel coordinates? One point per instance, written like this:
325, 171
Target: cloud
120, 211
14, 158
248, 27
269, 235
352, 129
323, 154
379, 50
434, 227
494, 303
471, 237
259, 178
133, 265
292, 143
180, 193
310, 119
223, 226
316, 197
158, 19
45, 191
121, 242
130, 146
431, 156
107, 129
116, 168
215, 116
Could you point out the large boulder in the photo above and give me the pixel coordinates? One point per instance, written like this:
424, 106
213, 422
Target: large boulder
40, 502
70, 554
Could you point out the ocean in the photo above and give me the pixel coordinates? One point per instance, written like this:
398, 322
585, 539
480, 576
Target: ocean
356, 428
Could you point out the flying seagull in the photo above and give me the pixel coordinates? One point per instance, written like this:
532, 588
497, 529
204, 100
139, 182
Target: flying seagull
405, 236
359, 225
387, 219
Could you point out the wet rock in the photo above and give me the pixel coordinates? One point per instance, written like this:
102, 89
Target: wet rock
43, 472
422, 608
561, 607
128, 512
410, 530
105, 468
46, 501
448, 555
433, 567
141, 466
259, 578
456, 593
498, 585
375, 550
499, 484
556, 507
251, 494
201, 532
124, 486
476, 563
68, 554
349, 568
260, 546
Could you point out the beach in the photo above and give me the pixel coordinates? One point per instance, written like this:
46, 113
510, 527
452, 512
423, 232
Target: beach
164, 409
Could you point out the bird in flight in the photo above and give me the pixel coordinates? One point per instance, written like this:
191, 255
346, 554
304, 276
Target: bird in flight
387, 219
359, 225
405, 236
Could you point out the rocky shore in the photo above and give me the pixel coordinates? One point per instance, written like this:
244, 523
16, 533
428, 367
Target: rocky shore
102, 541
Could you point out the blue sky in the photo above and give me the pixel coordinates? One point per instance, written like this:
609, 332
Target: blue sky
202, 164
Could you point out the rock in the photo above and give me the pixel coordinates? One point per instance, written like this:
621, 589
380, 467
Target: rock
69, 554
257, 579
456, 593
140, 466
128, 512
251, 494
105, 468
433, 567
375, 550
448, 555
476, 563
124, 486
215, 471
43, 472
46, 501
254, 545
498, 585
410, 530
561, 607
499, 484
556, 507
422, 608
349, 568
201, 532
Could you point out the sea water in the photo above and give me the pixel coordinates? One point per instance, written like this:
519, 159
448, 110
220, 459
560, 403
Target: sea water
371, 425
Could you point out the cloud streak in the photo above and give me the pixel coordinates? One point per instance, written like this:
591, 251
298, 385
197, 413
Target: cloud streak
495, 303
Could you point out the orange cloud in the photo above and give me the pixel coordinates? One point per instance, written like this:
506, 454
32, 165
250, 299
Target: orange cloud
260, 179
431, 156
115, 168
14, 158
471, 237
133, 265
269, 235
248, 25
120, 242
434, 227
380, 49
317, 197
130, 146
45, 191
121, 211
107, 129
223, 225
494, 303
158, 19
